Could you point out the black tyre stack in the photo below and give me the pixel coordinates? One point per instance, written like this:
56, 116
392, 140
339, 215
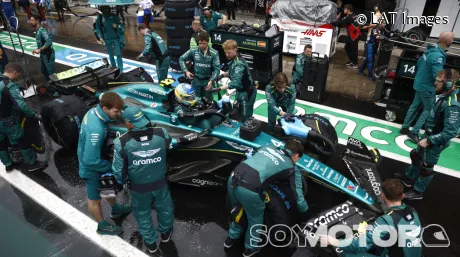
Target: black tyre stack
179, 17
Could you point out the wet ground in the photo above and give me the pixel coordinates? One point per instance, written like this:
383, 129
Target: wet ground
201, 218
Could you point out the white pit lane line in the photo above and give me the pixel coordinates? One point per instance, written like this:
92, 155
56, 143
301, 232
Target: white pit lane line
114, 245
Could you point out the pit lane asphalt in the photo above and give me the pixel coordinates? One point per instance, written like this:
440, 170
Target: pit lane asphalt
200, 215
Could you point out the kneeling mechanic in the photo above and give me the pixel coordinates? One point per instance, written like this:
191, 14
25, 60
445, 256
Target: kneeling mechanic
248, 183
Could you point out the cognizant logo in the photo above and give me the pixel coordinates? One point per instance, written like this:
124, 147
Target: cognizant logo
205, 182
147, 161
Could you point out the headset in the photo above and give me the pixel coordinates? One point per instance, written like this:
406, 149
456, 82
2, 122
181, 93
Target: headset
448, 84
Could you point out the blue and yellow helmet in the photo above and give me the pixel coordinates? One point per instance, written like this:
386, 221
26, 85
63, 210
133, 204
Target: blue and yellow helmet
185, 94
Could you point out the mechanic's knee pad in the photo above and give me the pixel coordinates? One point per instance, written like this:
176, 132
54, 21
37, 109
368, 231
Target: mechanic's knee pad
427, 170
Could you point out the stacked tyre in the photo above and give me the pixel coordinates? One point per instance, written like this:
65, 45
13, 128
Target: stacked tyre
179, 17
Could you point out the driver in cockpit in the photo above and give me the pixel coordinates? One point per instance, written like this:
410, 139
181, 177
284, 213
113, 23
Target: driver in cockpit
188, 103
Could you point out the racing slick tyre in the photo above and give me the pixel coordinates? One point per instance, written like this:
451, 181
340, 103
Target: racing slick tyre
180, 9
175, 63
178, 46
62, 119
178, 28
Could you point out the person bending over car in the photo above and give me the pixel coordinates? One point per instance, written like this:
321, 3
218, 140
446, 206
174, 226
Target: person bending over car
188, 103
207, 66
11, 104
248, 183
140, 158
240, 79
442, 125
280, 99
157, 49
399, 217
94, 130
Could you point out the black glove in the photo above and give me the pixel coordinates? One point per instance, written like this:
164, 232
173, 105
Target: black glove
199, 106
215, 89
289, 117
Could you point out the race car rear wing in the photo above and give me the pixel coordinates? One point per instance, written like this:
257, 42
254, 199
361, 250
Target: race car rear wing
67, 82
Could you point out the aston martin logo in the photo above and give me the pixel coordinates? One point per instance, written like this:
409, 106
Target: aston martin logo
147, 153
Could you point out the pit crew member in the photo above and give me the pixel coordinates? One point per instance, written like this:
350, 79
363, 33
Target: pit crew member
399, 216
280, 99
44, 47
442, 125
209, 19
428, 66
197, 28
297, 71
250, 179
11, 104
111, 32
157, 49
94, 129
206, 64
140, 158
240, 79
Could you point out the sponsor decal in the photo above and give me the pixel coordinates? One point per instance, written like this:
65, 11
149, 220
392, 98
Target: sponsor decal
373, 180
274, 160
261, 44
336, 178
157, 91
79, 70
313, 32
351, 186
206, 182
330, 174
147, 153
277, 143
144, 144
344, 181
309, 163
330, 216
275, 153
147, 161
240, 147
355, 142
153, 105
324, 171
250, 42
145, 95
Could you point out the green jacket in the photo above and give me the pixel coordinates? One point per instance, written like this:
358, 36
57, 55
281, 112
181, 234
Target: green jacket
443, 123
140, 156
93, 132
18, 104
270, 162
297, 72
104, 27
275, 99
239, 74
43, 38
211, 22
194, 39
404, 215
155, 46
206, 66
428, 66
